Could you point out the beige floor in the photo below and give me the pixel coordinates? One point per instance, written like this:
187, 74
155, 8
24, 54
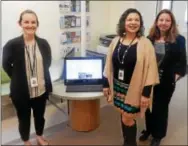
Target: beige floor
177, 129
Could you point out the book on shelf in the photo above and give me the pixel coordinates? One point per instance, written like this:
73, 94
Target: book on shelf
65, 6
70, 21
72, 6
76, 37
70, 37
66, 50
87, 21
76, 6
65, 38
88, 37
78, 21
62, 22
87, 5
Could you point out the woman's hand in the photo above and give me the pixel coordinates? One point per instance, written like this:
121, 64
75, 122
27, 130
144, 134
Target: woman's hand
107, 94
145, 102
177, 77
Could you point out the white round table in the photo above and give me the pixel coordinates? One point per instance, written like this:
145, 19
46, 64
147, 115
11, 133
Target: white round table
84, 107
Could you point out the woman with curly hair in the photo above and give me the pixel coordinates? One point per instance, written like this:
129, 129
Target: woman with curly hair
130, 72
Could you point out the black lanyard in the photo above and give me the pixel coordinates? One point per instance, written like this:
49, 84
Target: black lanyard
125, 52
32, 67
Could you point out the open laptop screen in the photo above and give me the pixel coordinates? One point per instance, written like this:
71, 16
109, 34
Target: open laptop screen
83, 70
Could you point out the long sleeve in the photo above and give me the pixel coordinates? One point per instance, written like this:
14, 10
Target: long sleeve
105, 83
152, 75
7, 59
180, 67
147, 91
48, 53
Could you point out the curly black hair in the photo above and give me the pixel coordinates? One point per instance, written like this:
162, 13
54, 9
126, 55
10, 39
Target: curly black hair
121, 25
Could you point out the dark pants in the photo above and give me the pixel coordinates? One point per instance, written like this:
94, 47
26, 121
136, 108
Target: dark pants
23, 110
157, 120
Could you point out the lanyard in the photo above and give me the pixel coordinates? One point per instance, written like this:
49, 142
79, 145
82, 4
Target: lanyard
125, 52
32, 66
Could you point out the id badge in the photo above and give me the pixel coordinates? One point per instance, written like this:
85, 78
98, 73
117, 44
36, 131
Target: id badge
121, 74
34, 82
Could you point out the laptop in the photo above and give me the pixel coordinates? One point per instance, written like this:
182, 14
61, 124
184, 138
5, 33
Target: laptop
83, 74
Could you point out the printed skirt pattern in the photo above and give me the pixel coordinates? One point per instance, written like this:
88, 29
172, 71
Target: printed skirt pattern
120, 91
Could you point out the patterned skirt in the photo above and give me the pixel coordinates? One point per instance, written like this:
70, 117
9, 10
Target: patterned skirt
120, 91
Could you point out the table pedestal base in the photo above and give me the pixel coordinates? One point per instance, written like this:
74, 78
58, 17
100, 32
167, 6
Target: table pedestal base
84, 114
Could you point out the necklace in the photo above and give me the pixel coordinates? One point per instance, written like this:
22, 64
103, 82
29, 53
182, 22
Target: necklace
125, 52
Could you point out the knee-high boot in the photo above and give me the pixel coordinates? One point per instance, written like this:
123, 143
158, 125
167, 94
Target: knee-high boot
129, 134
123, 132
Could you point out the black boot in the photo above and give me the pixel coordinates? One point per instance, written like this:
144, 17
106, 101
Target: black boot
148, 119
123, 132
145, 135
155, 142
129, 134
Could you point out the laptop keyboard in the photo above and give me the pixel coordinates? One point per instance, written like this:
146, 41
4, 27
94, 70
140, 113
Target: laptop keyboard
84, 88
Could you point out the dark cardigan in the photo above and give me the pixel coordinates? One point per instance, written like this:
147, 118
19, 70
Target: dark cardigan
175, 59
14, 66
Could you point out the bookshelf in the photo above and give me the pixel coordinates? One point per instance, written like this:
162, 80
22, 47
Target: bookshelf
70, 26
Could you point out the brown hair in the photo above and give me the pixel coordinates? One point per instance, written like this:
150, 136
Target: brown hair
172, 32
26, 12
121, 25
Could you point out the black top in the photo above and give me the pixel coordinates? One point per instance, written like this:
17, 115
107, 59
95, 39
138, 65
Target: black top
128, 66
14, 66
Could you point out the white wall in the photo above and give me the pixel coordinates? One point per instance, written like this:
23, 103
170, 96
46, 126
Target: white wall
116, 9
48, 14
99, 17
147, 10
179, 8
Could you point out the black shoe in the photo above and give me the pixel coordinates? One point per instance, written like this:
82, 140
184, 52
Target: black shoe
145, 135
155, 142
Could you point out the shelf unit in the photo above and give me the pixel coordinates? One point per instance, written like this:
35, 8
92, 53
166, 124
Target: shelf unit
70, 26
